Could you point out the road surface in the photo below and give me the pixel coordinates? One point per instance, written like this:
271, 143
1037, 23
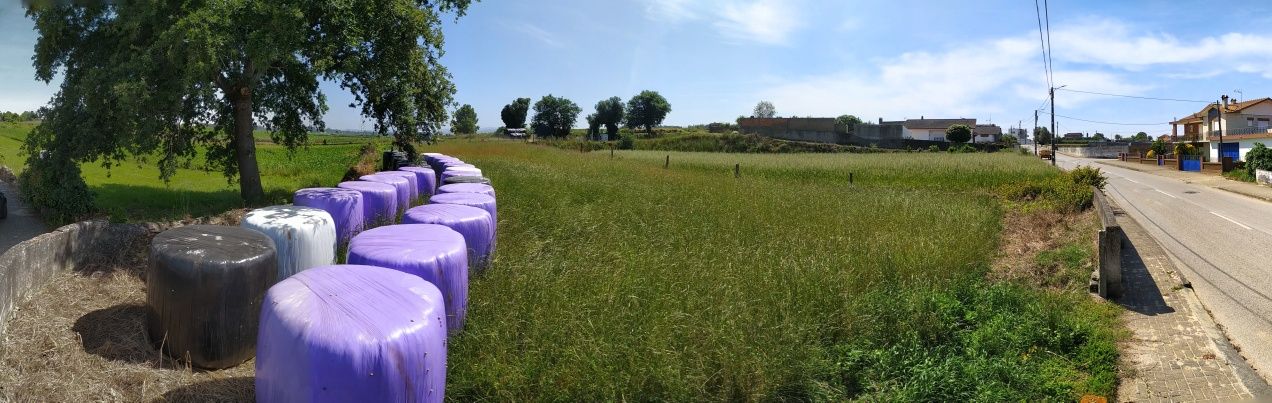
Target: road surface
22, 224
1221, 241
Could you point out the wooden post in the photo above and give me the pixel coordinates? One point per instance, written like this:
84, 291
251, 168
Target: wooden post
737, 170
850, 178
611, 150
668, 163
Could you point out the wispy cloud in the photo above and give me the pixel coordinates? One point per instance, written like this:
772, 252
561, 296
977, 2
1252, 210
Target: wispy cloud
1112, 43
533, 31
769, 22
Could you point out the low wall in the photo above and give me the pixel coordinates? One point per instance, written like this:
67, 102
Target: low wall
1108, 248
1096, 151
1264, 177
29, 265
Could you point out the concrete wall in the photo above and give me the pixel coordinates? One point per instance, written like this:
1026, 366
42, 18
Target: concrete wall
1244, 145
813, 130
1264, 177
1109, 249
1096, 151
29, 265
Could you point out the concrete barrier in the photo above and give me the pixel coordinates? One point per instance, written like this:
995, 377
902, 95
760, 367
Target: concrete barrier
29, 265
1108, 249
1264, 177
1095, 151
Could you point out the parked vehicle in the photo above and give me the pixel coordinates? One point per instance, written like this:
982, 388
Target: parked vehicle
1044, 154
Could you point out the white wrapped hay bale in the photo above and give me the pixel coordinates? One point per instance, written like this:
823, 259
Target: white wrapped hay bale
305, 237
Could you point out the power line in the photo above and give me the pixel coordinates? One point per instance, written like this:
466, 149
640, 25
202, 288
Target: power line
1107, 123
1046, 63
1136, 96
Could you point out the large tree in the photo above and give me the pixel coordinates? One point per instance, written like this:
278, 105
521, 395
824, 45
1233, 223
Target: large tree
465, 121
170, 78
958, 134
1042, 135
847, 123
553, 117
610, 113
764, 109
514, 114
647, 109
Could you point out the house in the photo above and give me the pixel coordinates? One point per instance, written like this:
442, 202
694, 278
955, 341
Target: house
989, 133
932, 129
1241, 124
1072, 136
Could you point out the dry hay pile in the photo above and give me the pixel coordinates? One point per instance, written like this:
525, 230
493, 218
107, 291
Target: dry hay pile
83, 338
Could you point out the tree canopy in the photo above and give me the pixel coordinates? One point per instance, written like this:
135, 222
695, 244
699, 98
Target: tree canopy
847, 123
647, 109
553, 117
958, 134
465, 121
609, 112
1042, 135
514, 114
1140, 137
764, 109
169, 78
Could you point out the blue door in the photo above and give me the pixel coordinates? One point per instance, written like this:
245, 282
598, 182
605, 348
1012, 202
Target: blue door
1230, 150
1191, 163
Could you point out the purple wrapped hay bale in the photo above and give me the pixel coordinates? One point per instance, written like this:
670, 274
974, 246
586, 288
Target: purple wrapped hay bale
459, 171
304, 237
478, 200
467, 188
344, 205
401, 184
414, 182
379, 202
466, 179
204, 290
435, 253
427, 178
350, 333
471, 222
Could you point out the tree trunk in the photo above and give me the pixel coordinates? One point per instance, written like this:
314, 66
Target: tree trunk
245, 149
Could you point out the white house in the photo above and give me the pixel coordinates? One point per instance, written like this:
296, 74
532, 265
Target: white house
931, 129
1243, 124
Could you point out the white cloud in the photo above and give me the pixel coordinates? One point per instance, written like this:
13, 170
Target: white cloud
769, 22
533, 31
764, 21
1111, 43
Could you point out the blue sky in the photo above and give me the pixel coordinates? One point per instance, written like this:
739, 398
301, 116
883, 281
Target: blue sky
714, 59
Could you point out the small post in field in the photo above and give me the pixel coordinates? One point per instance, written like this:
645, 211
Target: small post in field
668, 163
611, 150
737, 170
850, 178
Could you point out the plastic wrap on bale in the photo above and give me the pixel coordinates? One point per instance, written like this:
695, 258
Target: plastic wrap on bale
451, 172
471, 222
400, 184
427, 178
413, 181
478, 200
352, 334
204, 290
467, 188
466, 179
304, 237
344, 205
379, 201
435, 253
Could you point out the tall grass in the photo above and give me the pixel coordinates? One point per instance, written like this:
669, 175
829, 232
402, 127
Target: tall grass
618, 279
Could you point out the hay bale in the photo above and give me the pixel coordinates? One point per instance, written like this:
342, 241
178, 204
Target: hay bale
344, 205
351, 333
400, 183
478, 200
467, 188
435, 253
427, 178
466, 179
204, 290
459, 171
471, 222
379, 201
304, 237
414, 182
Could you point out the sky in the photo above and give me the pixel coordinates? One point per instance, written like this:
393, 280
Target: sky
715, 59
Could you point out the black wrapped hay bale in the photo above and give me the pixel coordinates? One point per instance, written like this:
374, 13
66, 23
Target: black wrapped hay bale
204, 290
465, 179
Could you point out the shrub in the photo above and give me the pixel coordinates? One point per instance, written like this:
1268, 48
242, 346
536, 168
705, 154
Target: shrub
958, 134
1088, 176
625, 142
1150, 154
1158, 147
1260, 157
934, 148
1186, 149
52, 184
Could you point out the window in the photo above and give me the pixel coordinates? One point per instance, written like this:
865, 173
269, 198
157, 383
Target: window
1262, 123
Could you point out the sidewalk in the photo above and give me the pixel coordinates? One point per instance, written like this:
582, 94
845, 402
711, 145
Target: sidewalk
1176, 352
1206, 179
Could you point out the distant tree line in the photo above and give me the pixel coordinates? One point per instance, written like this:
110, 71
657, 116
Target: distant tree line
555, 116
15, 117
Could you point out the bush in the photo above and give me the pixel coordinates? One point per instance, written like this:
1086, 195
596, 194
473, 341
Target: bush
626, 142
1239, 175
934, 148
1260, 157
1068, 192
1088, 176
1158, 147
1150, 154
52, 185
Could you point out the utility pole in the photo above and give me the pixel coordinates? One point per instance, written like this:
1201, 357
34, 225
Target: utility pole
1053, 125
1220, 152
1035, 132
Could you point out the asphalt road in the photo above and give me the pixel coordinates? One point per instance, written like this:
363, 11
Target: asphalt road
22, 223
1221, 241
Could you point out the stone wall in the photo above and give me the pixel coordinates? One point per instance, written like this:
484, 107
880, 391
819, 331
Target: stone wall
29, 265
1264, 177
1096, 151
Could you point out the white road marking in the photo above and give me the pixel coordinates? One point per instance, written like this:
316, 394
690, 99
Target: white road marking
1231, 220
1168, 194
1132, 180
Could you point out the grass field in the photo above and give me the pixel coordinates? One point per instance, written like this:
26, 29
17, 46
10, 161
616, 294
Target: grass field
134, 192
618, 279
